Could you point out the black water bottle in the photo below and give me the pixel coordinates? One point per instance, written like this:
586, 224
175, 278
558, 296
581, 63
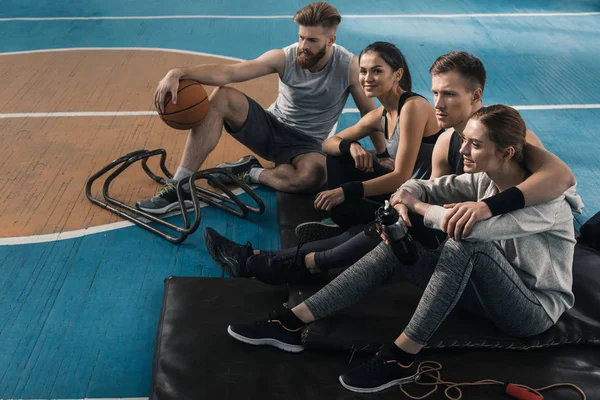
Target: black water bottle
393, 226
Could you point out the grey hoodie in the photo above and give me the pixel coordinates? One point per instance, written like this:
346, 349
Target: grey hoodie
538, 241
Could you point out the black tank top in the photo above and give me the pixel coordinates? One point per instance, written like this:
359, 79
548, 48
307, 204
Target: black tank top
455, 159
422, 168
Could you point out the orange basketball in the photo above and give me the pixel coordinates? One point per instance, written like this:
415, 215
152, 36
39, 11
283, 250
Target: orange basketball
191, 107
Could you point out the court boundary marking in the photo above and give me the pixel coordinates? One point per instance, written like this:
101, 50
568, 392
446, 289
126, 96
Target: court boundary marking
346, 16
63, 114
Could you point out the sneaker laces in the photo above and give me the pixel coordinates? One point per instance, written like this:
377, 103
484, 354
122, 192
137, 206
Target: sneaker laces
375, 362
288, 261
167, 187
244, 176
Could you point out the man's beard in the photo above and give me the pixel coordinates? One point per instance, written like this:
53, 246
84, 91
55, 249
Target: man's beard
307, 61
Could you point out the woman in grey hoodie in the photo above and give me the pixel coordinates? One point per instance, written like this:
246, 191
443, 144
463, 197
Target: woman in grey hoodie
515, 269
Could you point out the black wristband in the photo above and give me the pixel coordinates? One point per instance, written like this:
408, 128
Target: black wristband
504, 202
353, 190
345, 145
385, 154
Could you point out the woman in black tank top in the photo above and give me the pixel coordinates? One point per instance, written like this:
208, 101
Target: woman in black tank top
358, 183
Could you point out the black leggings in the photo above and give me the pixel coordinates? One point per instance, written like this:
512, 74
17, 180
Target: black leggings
339, 251
349, 247
341, 169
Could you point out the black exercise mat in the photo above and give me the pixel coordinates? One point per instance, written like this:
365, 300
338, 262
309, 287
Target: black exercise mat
196, 359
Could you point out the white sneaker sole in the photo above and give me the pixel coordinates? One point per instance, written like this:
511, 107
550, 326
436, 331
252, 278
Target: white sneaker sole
312, 231
173, 206
292, 348
396, 382
237, 163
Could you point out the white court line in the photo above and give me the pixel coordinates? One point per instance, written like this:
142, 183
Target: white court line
196, 53
348, 16
540, 107
345, 111
52, 237
79, 114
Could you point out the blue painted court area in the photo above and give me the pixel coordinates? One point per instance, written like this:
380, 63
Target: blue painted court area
66, 8
79, 316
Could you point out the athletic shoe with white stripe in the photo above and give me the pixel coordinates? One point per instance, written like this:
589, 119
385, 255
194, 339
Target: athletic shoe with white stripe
269, 332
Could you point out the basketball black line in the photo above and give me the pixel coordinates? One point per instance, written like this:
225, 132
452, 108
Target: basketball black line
179, 90
185, 109
182, 126
184, 123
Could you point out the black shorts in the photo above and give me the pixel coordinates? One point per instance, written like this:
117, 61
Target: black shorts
270, 138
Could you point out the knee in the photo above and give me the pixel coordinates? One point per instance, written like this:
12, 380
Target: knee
310, 179
337, 164
224, 99
467, 246
464, 253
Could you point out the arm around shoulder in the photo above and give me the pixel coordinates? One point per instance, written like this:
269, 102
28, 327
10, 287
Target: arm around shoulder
550, 177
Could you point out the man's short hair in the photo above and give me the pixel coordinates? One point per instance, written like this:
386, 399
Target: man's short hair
467, 65
319, 13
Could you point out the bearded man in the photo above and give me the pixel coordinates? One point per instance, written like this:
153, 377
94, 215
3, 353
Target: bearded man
315, 78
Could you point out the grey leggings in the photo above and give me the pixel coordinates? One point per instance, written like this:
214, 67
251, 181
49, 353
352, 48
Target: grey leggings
473, 275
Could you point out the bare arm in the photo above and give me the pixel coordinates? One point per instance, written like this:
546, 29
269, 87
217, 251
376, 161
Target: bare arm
549, 179
367, 125
272, 61
532, 138
219, 75
439, 158
413, 118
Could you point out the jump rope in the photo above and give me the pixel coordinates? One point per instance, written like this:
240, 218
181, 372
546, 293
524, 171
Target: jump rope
431, 369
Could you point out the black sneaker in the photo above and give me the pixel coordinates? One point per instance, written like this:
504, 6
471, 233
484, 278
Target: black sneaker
380, 372
276, 268
270, 332
228, 254
312, 231
165, 200
239, 168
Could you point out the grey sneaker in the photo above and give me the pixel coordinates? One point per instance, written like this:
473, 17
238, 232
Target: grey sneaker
239, 168
165, 200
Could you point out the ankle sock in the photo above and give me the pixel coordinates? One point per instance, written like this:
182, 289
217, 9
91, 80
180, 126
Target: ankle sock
402, 356
181, 174
288, 319
254, 174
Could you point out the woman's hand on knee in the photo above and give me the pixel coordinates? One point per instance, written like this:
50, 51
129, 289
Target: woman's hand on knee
461, 217
362, 158
328, 199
